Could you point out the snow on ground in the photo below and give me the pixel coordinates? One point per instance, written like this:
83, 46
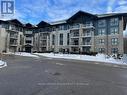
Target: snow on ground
23, 54
98, 57
2, 64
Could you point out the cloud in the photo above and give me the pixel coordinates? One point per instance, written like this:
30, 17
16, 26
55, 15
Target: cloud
122, 6
110, 6
121, 9
122, 2
117, 6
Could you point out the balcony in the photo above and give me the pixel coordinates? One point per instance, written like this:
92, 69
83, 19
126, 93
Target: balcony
43, 38
86, 34
75, 27
74, 43
74, 33
14, 36
86, 44
12, 30
28, 32
29, 38
15, 29
44, 45
74, 36
13, 43
87, 26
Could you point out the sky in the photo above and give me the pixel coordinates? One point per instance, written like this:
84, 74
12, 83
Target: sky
34, 11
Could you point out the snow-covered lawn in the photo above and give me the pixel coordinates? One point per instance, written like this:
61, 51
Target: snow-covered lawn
23, 54
97, 58
2, 64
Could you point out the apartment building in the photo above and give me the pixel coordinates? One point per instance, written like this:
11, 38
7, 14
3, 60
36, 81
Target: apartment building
11, 35
81, 33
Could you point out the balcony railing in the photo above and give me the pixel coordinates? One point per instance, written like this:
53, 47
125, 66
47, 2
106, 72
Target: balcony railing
44, 37
28, 32
14, 36
86, 43
87, 25
13, 44
44, 44
74, 35
74, 43
75, 27
86, 34
28, 38
12, 29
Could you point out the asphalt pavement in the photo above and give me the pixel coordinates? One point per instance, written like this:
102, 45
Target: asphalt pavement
48, 76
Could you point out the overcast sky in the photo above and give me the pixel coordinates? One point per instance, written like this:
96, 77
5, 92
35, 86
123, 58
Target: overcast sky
34, 11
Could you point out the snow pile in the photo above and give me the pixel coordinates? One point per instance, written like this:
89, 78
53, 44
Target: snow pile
2, 64
98, 57
125, 58
25, 54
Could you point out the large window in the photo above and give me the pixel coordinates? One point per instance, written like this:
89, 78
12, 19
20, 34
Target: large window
101, 41
114, 21
63, 27
53, 39
114, 50
66, 27
114, 41
101, 23
21, 40
101, 31
61, 39
68, 36
114, 30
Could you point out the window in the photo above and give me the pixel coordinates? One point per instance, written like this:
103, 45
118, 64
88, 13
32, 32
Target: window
53, 39
101, 41
61, 39
114, 21
101, 31
28, 42
114, 30
101, 23
61, 27
66, 27
88, 23
44, 42
68, 38
101, 50
20, 40
114, 50
114, 41
54, 29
